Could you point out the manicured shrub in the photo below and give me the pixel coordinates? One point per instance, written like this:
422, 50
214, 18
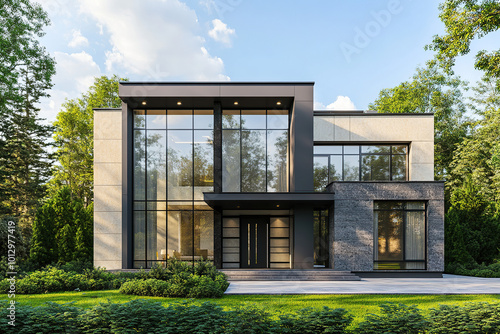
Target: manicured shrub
50, 318
472, 318
311, 321
185, 285
394, 318
52, 279
249, 319
207, 318
136, 316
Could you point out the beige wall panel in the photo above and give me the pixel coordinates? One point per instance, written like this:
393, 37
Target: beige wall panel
422, 152
341, 128
107, 151
108, 125
109, 265
107, 198
396, 128
422, 172
107, 222
323, 128
107, 174
108, 246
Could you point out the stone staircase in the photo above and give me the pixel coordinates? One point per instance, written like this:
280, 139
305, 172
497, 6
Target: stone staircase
289, 275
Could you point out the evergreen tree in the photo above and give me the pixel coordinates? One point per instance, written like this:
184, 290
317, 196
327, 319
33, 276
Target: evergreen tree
26, 71
62, 231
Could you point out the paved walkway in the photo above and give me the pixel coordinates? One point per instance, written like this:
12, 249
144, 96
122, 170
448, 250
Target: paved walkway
449, 284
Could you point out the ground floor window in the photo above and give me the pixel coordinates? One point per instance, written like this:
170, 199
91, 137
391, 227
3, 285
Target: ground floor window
175, 230
399, 235
321, 245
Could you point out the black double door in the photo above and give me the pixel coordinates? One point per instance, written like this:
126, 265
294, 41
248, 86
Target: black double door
254, 241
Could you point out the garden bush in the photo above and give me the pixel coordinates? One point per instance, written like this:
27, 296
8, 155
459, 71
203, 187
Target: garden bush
310, 321
52, 279
394, 318
472, 318
146, 316
180, 285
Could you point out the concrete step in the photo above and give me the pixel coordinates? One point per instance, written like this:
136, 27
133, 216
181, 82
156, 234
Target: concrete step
289, 275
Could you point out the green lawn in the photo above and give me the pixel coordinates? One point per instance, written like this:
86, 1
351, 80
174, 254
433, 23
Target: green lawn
358, 305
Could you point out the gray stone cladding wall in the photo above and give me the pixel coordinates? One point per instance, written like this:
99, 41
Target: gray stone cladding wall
351, 224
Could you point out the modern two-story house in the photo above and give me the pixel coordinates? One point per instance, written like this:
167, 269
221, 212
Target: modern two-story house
249, 175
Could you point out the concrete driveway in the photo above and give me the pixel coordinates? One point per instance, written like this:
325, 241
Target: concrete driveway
449, 284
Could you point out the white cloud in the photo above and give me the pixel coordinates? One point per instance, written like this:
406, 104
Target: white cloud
78, 40
75, 74
155, 40
341, 103
221, 33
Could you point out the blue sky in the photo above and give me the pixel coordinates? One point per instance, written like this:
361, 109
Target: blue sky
350, 49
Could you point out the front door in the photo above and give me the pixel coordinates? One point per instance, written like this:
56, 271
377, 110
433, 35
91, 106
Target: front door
254, 238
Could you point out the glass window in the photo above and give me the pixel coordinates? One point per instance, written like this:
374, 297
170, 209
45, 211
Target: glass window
231, 119
231, 164
399, 229
203, 163
253, 158
180, 235
320, 173
180, 165
156, 165
335, 169
365, 163
156, 119
204, 235
277, 119
180, 119
139, 164
139, 235
321, 243
203, 119
351, 167
172, 163
398, 167
139, 119
277, 158
351, 149
253, 119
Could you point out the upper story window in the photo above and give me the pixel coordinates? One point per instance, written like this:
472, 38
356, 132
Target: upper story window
173, 154
359, 163
255, 150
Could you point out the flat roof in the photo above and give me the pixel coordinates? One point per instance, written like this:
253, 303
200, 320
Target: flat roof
216, 83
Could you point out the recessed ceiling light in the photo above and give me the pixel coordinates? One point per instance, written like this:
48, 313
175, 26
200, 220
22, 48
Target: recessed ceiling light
179, 103
235, 103
143, 103
278, 103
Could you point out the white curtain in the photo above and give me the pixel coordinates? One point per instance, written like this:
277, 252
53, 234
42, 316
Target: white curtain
415, 235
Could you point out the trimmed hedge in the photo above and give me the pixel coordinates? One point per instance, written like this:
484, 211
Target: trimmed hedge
145, 316
177, 279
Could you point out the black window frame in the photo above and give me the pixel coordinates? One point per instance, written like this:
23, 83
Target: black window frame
360, 156
404, 209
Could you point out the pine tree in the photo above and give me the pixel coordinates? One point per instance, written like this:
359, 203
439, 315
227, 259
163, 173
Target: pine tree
26, 71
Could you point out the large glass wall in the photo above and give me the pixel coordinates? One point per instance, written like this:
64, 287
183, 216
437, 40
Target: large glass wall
359, 163
173, 166
399, 235
255, 151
